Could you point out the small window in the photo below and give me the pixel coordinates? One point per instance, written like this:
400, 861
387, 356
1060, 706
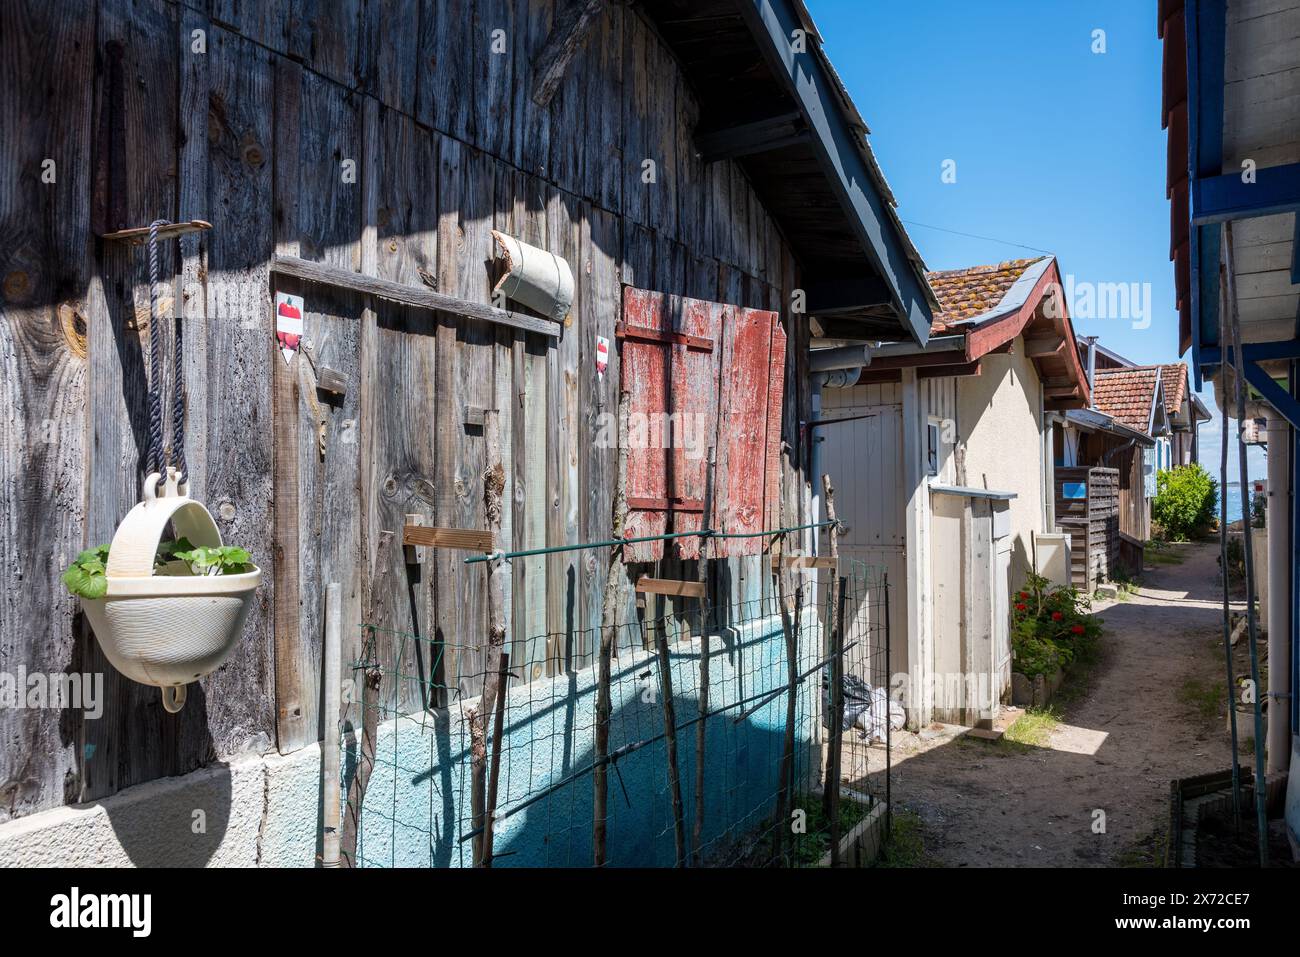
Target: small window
932, 448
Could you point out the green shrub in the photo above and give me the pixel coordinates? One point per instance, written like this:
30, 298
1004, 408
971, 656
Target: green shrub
1184, 502
1051, 627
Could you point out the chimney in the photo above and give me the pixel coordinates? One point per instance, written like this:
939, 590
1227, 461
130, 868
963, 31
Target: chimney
1092, 362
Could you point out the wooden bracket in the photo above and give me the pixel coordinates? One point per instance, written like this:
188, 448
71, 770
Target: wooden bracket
138, 235
670, 586
646, 334
332, 381
464, 539
411, 550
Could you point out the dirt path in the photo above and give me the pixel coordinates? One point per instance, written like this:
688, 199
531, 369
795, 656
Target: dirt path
1147, 717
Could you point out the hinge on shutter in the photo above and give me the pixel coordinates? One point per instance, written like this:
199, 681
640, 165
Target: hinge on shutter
646, 334
675, 504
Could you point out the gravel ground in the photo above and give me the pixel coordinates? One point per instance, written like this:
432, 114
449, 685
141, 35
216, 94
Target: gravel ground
1141, 721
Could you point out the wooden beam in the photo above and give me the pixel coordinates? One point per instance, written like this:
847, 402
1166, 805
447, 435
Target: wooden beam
670, 586
919, 360
418, 296
960, 369
572, 24
746, 139
829, 296
1061, 391
1042, 348
879, 376
465, 539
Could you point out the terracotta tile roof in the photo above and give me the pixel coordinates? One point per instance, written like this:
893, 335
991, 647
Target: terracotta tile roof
1173, 377
1126, 394
966, 293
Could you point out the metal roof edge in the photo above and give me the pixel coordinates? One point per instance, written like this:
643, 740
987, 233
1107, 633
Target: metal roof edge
865, 197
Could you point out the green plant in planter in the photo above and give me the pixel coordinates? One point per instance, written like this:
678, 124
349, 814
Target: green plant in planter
226, 560
87, 576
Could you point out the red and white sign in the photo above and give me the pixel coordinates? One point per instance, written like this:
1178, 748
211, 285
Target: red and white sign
602, 357
288, 323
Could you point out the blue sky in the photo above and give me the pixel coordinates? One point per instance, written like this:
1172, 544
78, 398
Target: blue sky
1055, 147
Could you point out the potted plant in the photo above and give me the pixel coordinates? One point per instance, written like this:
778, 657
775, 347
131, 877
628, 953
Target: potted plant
166, 612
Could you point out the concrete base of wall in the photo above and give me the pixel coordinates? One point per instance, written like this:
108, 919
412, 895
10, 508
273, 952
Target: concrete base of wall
254, 811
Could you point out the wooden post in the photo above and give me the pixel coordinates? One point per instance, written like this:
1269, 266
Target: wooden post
670, 741
370, 688
831, 787
494, 690
705, 627
608, 631
332, 693
791, 654
837, 728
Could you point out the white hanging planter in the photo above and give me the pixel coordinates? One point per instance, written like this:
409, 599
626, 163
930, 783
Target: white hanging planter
167, 628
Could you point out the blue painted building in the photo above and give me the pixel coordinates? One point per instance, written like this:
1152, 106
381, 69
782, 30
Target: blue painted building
1231, 106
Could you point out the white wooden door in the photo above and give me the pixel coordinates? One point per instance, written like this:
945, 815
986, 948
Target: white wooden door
863, 457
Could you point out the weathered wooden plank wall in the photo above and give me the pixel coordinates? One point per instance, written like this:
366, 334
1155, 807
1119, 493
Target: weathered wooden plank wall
387, 138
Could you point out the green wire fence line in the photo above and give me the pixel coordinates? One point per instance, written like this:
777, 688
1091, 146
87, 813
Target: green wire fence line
611, 759
611, 542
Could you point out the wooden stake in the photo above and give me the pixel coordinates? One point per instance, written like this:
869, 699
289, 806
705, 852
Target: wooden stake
787, 749
494, 690
608, 631
370, 689
705, 628
670, 741
331, 694
831, 787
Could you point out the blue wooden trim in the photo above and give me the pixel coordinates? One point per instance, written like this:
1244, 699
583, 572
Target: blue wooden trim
1274, 394
1253, 352
1295, 566
1207, 242
839, 149
1295, 255
1216, 199
1206, 32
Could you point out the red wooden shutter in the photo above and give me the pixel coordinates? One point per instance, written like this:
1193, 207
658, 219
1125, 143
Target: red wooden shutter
673, 348
749, 443
670, 366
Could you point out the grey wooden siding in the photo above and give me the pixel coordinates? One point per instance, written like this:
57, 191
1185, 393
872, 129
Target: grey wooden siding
255, 135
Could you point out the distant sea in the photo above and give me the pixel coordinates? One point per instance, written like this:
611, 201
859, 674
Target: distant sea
1234, 502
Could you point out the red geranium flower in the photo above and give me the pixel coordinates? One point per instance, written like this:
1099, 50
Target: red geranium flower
1021, 607
1077, 629
1024, 595
1056, 616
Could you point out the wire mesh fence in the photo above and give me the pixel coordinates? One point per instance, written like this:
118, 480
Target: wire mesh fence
715, 739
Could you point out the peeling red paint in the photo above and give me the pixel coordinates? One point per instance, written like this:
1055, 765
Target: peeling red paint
681, 405
748, 446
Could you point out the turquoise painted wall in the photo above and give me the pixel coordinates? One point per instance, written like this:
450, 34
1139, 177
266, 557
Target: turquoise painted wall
417, 803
